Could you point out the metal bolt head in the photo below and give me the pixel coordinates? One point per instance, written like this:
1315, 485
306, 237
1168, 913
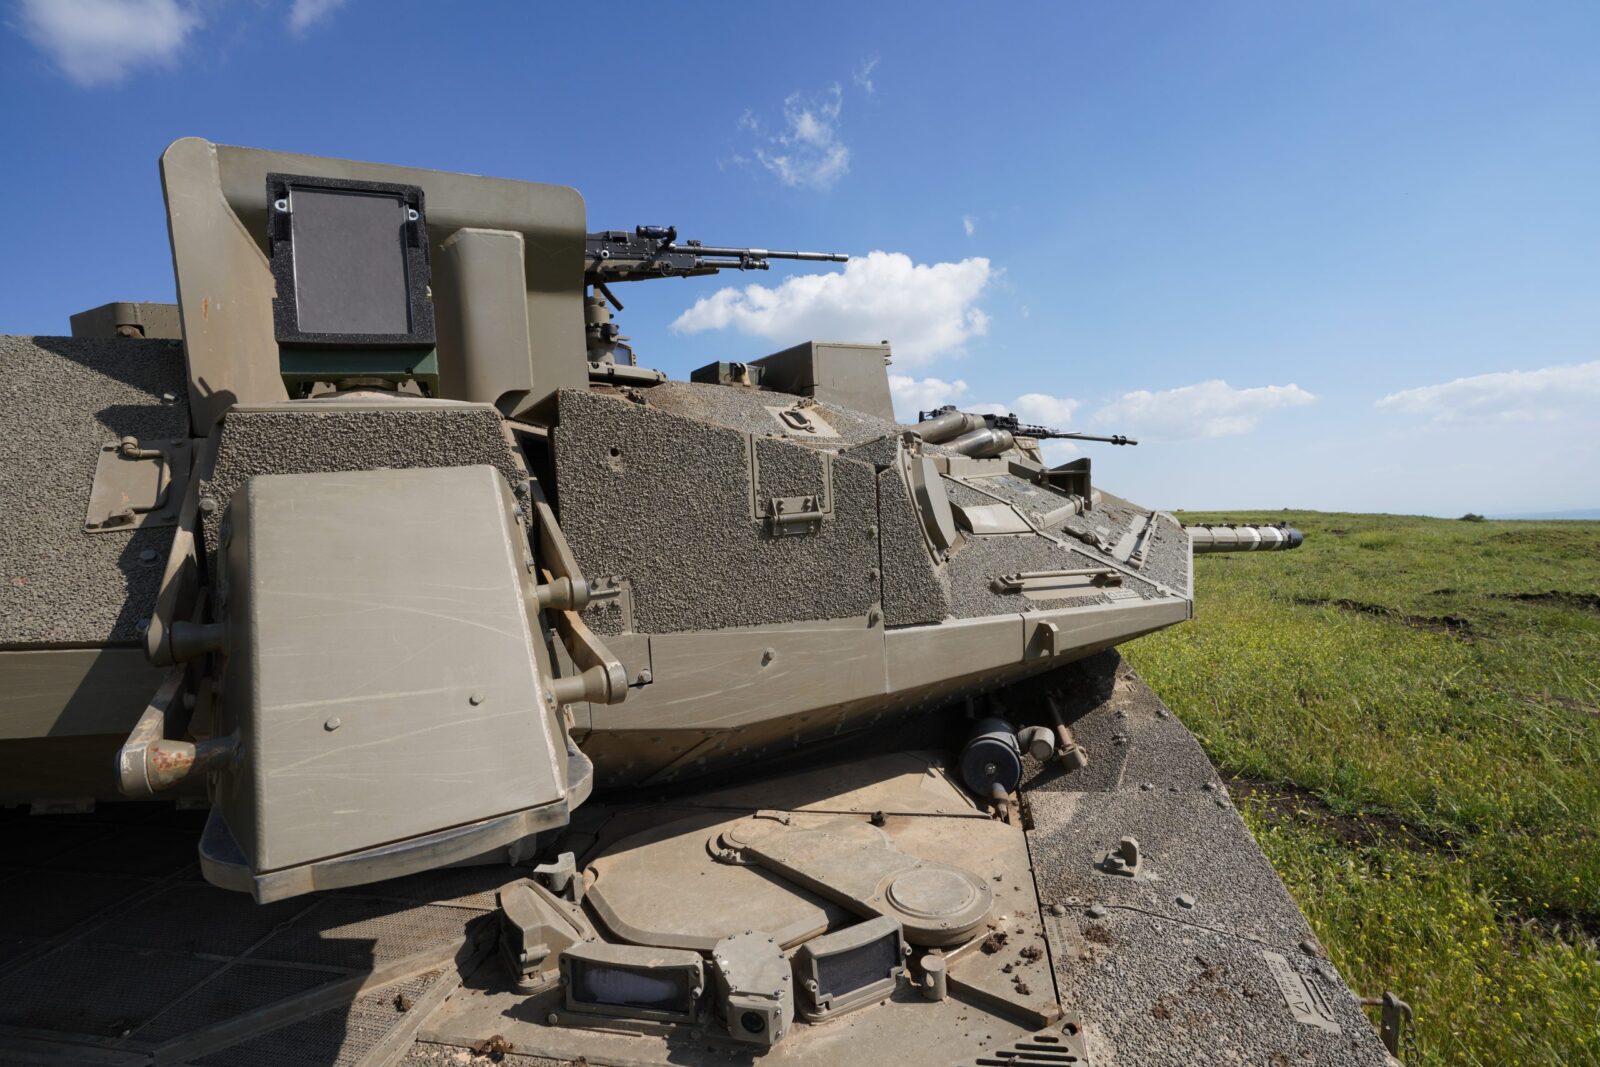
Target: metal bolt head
1186, 901
280, 205
645, 676
333, 724
553, 1019
1097, 911
475, 699
148, 555
1058, 909
208, 504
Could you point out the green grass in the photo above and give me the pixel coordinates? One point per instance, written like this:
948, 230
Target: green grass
1430, 744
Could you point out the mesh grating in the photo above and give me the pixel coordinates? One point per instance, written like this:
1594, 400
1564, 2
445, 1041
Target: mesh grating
361, 934
469, 886
35, 840
141, 851
143, 955
242, 989
36, 904
96, 990
10, 949
198, 918
333, 1039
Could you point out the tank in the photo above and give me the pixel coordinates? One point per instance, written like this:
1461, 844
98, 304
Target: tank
774, 726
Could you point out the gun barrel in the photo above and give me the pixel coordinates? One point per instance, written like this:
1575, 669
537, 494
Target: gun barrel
1045, 433
758, 253
1208, 538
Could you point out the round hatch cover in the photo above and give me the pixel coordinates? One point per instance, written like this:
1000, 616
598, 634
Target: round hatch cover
931, 893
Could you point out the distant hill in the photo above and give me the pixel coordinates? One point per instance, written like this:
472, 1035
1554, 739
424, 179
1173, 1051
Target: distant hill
1576, 513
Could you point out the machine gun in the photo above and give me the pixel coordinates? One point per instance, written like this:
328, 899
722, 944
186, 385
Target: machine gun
654, 252
978, 435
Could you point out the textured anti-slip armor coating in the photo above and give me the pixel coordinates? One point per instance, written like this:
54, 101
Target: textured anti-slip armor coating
66, 397
306, 438
665, 502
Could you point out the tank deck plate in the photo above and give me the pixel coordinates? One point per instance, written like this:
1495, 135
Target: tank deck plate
114, 951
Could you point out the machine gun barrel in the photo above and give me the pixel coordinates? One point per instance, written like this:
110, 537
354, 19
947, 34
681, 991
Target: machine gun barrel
758, 253
1227, 538
655, 252
1046, 434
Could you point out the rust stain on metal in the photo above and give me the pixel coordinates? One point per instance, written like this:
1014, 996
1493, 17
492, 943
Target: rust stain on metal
169, 764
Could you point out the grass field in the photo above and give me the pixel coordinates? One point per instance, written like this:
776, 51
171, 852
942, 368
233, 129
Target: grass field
1411, 710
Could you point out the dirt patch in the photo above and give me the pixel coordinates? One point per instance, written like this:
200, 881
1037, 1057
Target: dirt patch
1280, 801
1580, 601
1099, 935
1449, 625
496, 1048
994, 943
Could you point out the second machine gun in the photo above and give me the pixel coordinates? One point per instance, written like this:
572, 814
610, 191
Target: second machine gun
980, 436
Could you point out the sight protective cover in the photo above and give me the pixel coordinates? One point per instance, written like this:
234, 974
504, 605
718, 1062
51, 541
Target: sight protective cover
350, 259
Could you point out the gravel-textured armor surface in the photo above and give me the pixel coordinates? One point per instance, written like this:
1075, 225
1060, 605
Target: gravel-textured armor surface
306, 440
742, 408
665, 501
1154, 982
64, 398
881, 452
913, 590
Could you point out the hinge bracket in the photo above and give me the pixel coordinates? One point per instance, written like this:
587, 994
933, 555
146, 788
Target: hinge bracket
134, 485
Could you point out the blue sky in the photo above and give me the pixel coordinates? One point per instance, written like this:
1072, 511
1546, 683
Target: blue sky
1338, 256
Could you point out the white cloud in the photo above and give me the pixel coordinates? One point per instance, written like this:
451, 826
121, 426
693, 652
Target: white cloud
304, 13
1542, 395
1044, 409
97, 42
1206, 409
863, 75
923, 310
1058, 452
912, 395
969, 224
808, 153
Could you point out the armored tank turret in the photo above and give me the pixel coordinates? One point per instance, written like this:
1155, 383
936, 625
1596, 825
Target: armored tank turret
778, 726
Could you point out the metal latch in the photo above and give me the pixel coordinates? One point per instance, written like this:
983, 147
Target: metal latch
133, 485
789, 516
